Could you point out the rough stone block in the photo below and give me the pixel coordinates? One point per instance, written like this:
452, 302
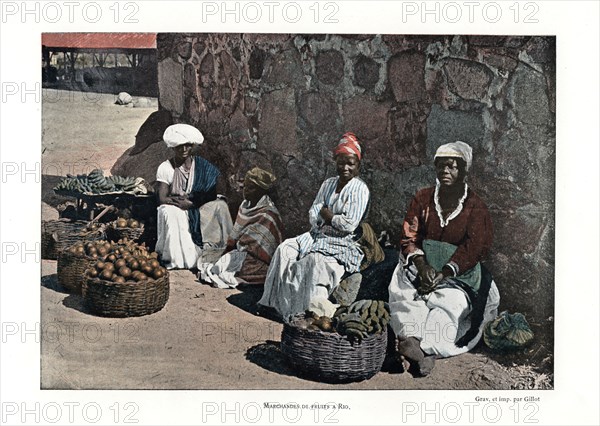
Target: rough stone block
541, 49
200, 47
528, 97
190, 82
170, 85
250, 105
366, 117
499, 61
445, 126
406, 75
285, 69
184, 49
319, 111
330, 67
277, 130
207, 70
366, 72
256, 63
467, 79
229, 71
483, 40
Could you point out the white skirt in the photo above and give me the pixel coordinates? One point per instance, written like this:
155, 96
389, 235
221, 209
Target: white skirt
293, 285
174, 243
437, 319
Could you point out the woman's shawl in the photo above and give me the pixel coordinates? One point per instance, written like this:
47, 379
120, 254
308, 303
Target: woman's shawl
257, 230
203, 190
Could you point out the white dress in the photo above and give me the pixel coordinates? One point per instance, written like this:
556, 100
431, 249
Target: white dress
174, 244
437, 319
306, 269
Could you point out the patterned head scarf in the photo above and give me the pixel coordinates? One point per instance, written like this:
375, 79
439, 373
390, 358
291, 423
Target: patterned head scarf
456, 149
348, 145
180, 134
261, 178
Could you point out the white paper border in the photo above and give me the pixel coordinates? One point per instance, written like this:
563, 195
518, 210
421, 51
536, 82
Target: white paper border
574, 399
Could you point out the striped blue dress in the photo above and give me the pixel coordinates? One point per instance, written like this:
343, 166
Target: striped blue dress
338, 239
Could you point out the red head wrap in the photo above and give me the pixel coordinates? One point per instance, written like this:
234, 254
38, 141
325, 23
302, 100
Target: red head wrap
348, 145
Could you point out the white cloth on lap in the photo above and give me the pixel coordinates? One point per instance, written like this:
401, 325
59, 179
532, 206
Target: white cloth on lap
221, 274
291, 284
175, 245
437, 319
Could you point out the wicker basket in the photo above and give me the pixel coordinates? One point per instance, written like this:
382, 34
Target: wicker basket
129, 299
58, 235
330, 357
132, 234
70, 270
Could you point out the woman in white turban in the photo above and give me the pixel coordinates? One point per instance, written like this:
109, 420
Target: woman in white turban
191, 219
440, 294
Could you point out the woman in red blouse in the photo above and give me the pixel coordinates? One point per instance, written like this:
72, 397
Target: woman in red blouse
440, 294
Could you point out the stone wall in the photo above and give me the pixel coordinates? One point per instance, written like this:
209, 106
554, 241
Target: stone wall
282, 102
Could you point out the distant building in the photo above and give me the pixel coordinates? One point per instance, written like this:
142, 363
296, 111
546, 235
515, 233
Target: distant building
101, 62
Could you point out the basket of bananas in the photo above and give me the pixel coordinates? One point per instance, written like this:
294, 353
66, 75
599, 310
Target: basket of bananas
348, 347
122, 228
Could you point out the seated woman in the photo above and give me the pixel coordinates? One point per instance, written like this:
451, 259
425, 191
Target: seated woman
256, 234
306, 269
190, 217
440, 295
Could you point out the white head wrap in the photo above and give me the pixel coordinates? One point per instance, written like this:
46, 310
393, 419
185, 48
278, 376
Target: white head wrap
456, 149
180, 134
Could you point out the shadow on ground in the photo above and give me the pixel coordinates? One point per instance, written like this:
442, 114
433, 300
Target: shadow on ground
49, 196
268, 355
248, 298
51, 283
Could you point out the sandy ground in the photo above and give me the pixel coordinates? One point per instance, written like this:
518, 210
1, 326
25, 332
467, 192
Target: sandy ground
204, 338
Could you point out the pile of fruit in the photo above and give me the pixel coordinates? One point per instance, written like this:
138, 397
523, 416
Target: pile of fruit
95, 183
357, 321
120, 261
91, 229
121, 222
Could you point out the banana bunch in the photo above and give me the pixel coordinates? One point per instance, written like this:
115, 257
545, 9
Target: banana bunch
96, 183
362, 318
127, 184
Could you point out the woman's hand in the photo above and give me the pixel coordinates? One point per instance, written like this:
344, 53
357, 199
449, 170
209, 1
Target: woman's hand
428, 276
326, 214
182, 202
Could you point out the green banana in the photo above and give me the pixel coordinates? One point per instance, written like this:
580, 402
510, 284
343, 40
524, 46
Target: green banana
373, 307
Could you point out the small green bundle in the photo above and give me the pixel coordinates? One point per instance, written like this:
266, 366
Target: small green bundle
507, 332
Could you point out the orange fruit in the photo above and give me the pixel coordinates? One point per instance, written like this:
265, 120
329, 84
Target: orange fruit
125, 272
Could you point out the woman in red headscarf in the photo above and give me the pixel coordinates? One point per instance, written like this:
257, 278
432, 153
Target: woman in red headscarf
306, 269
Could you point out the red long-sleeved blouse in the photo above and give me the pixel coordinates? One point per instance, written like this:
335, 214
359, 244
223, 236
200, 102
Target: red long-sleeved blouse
471, 230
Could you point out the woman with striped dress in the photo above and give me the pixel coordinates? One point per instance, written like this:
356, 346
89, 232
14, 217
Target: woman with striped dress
306, 269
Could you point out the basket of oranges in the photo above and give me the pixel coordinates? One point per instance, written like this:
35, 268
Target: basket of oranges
130, 229
59, 235
133, 283
73, 262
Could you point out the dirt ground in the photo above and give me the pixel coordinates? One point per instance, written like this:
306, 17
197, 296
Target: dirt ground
204, 338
